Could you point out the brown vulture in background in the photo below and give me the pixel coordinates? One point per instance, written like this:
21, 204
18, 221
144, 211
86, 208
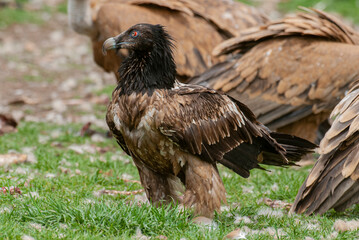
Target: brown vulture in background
334, 180
176, 133
198, 26
291, 72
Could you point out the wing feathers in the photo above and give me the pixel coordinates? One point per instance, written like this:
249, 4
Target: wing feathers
333, 181
221, 129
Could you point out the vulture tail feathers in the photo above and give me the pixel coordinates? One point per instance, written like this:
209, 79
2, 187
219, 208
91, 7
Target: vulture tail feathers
295, 147
278, 149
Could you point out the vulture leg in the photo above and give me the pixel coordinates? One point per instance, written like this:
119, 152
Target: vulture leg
80, 19
204, 187
160, 189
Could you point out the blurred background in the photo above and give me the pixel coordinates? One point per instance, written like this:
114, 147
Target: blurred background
48, 72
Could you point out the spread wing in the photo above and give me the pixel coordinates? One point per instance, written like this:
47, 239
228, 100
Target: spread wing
188, 22
290, 68
334, 180
219, 129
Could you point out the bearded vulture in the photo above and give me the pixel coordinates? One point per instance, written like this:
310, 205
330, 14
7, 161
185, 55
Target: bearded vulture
176, 133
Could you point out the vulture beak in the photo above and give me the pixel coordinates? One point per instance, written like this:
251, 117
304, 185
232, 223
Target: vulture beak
110, 43
113, 43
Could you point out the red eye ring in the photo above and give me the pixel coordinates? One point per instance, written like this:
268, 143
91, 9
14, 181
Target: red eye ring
134, 34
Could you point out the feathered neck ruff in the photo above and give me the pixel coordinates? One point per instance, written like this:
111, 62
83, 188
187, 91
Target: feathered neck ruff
148, 70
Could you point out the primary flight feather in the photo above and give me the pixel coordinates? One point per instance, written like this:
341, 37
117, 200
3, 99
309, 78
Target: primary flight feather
176, 133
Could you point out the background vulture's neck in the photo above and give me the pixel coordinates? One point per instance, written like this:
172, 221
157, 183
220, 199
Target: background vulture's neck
147, 71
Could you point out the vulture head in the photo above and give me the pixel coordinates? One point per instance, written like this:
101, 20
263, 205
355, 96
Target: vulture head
150, 61
140, 38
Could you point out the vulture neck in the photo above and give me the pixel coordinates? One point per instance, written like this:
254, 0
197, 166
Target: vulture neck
146, 71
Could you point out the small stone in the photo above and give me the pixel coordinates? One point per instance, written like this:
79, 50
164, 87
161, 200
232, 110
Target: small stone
342, 226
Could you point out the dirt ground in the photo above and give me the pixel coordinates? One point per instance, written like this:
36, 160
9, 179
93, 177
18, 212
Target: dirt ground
48, 72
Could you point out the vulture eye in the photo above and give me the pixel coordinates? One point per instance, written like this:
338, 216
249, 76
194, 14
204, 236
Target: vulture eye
134, 34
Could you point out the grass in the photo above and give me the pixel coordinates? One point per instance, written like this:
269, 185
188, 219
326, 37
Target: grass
346, 8
10, 16
59, 204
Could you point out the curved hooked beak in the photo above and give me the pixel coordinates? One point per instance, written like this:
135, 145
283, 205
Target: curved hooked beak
110, 43
113, 43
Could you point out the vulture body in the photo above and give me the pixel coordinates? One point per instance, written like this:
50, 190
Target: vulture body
176, 133
198, 26
291, 72
334, 180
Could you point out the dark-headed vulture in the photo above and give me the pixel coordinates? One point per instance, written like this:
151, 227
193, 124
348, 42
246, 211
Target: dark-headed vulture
178, 132
197, 25
334, 180
290, 72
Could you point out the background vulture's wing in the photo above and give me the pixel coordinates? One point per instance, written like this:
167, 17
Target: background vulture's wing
293, 70
334, 180
196, 28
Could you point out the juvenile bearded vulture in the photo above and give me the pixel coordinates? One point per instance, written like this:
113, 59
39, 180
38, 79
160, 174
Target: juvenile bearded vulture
334, 180
197, 25
176, 133
291, 72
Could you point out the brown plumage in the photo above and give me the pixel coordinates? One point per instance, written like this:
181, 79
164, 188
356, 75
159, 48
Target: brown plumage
198, 26
176, 133
291, 72
334, 180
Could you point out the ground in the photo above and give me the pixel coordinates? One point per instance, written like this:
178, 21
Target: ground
51, 86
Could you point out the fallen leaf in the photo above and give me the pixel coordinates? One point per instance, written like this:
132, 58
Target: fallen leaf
116, 192
204, 221
81, 149
37, 226
236, 234
27, 237
109, 173
239, 219
12, 190
50, 175
161, 237
269, 212
275, 203
65, 170
86, 131
246, 189
273, 232
23, 100
12, 158
7, 124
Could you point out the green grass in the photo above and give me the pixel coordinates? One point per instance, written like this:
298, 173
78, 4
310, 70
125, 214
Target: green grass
62, 7
347, 8
67, 208
10, 16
